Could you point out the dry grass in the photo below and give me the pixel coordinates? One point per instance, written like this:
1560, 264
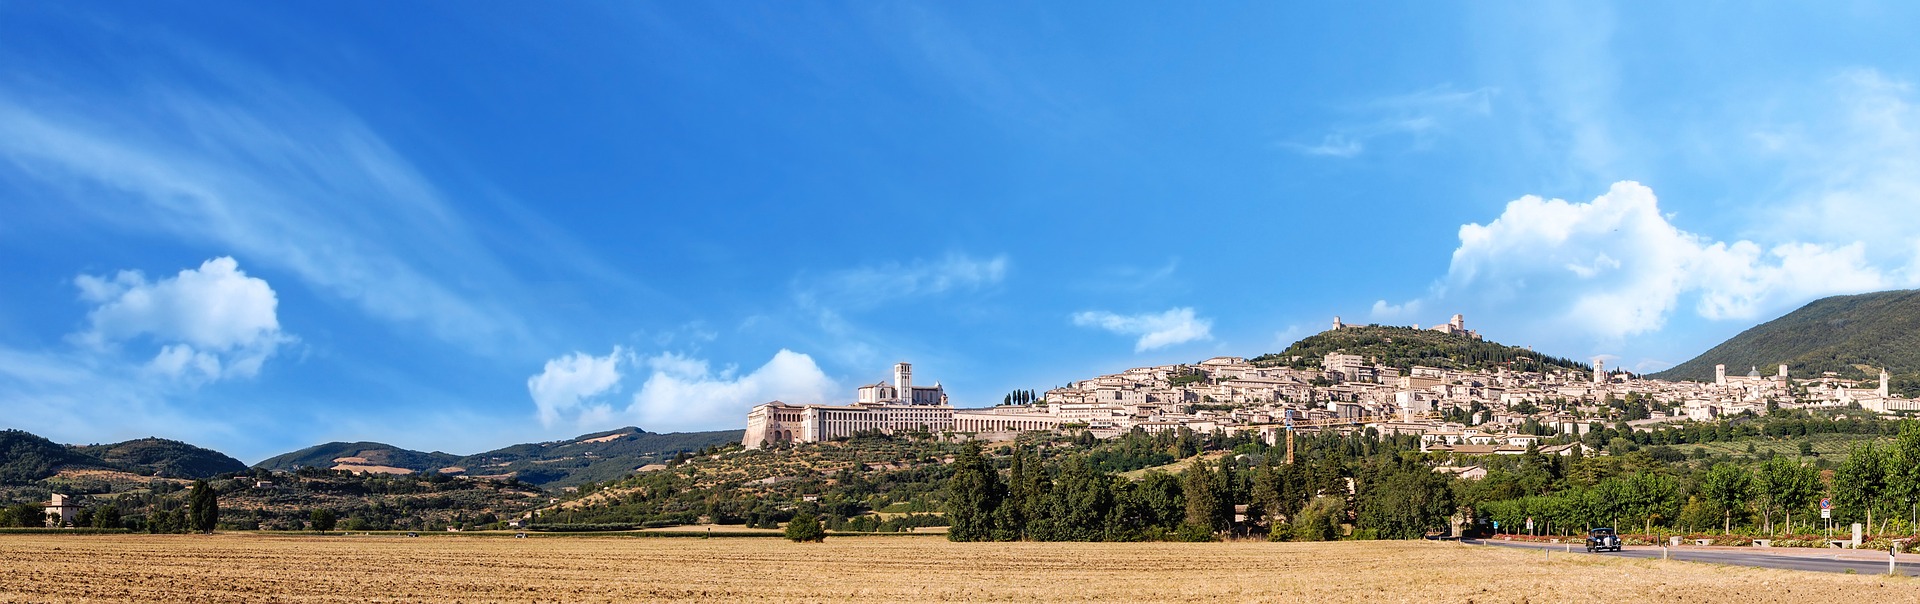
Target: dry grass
254, 568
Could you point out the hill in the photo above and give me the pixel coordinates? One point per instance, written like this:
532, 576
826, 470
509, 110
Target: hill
165, 458
1404, 347
592, 457
586, 458
1854, 336
26, 457
360, 456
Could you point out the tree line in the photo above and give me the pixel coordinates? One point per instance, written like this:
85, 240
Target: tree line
1377, 488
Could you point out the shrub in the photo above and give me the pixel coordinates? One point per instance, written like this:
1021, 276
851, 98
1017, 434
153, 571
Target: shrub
806, 527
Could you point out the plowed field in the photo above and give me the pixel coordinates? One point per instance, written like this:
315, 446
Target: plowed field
262, 568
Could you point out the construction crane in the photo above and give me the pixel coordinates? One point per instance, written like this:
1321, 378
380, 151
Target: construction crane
1327, 422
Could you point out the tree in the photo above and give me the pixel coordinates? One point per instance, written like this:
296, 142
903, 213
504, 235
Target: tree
1320, 520
27, 515
1025, 507
973, 496
106, 516
1787, 485
1860, 485
1263, 504
323, 519
1727, 486
1200, 488
1082, 499
203, 507
1402, 502
1903, 474
806, 527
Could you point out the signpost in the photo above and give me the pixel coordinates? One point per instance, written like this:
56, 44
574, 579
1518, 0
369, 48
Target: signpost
1529, 525
1826, 514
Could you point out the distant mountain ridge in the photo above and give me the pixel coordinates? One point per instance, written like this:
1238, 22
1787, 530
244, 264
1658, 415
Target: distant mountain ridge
26, 458
1855, 336
585, 458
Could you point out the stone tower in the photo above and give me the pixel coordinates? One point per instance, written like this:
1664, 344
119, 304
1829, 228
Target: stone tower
1599, 370
903, 382
1883, 383
1336, 322
1720, 375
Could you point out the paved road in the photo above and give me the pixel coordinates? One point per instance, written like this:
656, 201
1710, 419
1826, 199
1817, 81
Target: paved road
1831, 561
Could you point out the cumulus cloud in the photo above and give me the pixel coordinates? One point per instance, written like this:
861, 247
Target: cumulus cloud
1619, 267
571, 386
680, 392
684, 393
1175, 326
211, 323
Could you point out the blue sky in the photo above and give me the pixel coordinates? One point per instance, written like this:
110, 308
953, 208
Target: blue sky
258, 227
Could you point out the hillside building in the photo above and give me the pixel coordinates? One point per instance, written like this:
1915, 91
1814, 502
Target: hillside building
888, 408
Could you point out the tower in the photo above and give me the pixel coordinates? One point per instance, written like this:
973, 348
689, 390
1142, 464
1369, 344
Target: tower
1720, 375
1783, 372
1459, 322
903, 382
1883, 383
1336, 322
1599, 369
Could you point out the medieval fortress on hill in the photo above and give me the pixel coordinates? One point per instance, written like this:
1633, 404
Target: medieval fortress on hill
1229, 394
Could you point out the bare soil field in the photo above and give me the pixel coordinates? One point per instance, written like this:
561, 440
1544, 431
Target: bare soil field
259, 568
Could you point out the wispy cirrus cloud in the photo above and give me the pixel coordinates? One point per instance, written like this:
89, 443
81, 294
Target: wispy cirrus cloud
879, 284
1156, 330
1415, 117
282, 177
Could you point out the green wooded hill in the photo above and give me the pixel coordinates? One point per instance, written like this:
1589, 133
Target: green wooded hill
165, 458
1404, 347
585, 458
1854, 336
375, 454
593, 457
26, 457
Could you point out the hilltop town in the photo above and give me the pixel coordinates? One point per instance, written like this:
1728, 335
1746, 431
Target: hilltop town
1498, 406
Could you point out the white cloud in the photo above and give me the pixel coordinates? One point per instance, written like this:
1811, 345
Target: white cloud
870, 286
683, 393
272, 172
1332, 145
680, 392
213, 322
1175, 326
571, 386
1616, 267
1416, 117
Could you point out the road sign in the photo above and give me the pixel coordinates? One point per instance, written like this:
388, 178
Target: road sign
1826, 503
1529, 523
1826, 513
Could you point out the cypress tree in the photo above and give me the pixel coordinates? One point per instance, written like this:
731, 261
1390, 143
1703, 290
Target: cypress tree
203, 507
973, 496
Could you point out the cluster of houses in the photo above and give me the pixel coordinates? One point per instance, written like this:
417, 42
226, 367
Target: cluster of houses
1488, 406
